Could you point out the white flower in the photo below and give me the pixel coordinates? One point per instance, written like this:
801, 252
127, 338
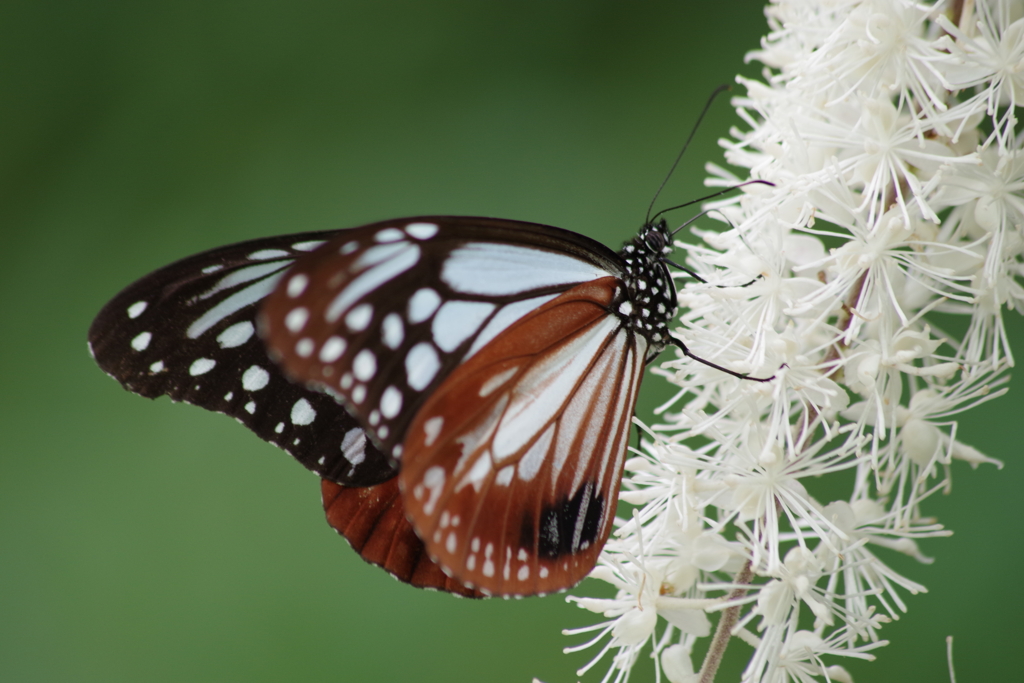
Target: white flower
889, 132
990, 57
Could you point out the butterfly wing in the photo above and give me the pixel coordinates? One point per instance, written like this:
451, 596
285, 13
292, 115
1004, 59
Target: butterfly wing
511, 468
382, 314
188, 331
373, 521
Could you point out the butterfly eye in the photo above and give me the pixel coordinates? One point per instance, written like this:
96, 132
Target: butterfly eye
655, 240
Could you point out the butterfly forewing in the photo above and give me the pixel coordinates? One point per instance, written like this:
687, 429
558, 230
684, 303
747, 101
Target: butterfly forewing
382, 314
511, 468
373, 521
188, 331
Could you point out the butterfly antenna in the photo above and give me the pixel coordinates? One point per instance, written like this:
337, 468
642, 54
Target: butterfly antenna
703, 199
675, 163
738, 234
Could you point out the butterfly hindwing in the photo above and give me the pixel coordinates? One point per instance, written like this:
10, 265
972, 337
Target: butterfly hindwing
188, 331
511, 468
372, 520
382, 314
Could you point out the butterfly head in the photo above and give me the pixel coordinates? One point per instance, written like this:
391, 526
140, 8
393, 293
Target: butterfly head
650, 302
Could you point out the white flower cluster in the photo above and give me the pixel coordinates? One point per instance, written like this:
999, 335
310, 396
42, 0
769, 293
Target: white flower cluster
870, 280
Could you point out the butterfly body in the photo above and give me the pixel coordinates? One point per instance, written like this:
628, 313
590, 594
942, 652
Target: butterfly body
493, 365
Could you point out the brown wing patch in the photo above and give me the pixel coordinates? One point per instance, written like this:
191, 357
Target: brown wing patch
372, 520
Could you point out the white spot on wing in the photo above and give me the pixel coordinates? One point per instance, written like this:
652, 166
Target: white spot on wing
353, 446
488, 387
303, 413
421, 365
265, 254
364, 366
488, 562
236, 335
158, 367
504, 476
250, 407
457, 321
421, 231
141, 342
477, 473
279, 428
358, 319
422, 304
136, 309
255, 378
504, 269
431, 429
201, 366
388, 235
393, 332
296, 319
390, 402
332, 349
530, 463
297, 285
305, 347
307, 246
433, 480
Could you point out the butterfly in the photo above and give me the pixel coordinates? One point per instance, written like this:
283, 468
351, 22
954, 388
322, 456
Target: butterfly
463, 386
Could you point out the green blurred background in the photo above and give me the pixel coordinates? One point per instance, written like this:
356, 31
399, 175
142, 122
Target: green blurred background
144, 541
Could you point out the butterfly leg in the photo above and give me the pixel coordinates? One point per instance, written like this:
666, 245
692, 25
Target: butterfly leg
689, 354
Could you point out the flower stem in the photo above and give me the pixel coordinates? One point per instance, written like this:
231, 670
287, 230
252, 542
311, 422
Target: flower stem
725, 625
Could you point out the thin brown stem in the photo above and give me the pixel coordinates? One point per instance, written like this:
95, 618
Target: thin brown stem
835, 353
726, 623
